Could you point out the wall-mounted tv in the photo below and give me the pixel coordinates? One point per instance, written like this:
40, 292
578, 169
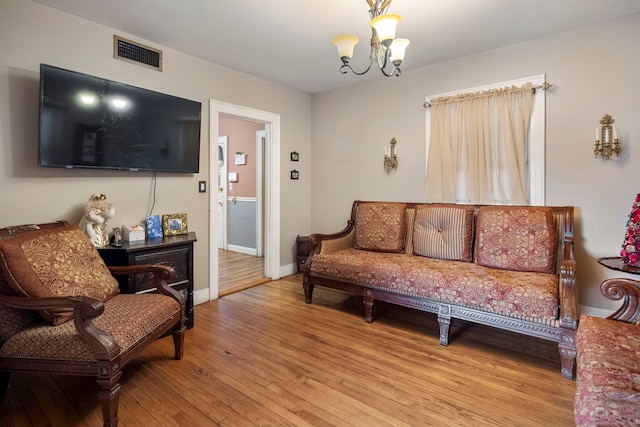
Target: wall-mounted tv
90, 122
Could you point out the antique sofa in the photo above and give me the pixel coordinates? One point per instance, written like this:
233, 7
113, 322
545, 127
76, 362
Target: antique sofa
510, 267
608, 361
61, 311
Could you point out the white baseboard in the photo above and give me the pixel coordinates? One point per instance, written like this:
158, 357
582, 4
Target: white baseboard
243, 250
288, 270
201, 296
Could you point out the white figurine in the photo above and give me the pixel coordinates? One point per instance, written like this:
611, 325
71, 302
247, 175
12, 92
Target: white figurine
94, 221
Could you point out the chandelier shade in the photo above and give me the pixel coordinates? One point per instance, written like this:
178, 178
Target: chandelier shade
345, 44
385, 28
398, 49
386, 50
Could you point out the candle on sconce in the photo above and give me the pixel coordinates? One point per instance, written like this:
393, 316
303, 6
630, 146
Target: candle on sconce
615, 134
597, 134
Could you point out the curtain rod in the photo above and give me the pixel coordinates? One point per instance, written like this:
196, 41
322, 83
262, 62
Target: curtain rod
544, 86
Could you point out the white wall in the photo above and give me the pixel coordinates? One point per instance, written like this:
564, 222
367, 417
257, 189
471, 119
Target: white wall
594, 72
31, 34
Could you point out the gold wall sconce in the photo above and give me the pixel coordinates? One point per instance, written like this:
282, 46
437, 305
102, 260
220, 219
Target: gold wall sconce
391, 156
607, 139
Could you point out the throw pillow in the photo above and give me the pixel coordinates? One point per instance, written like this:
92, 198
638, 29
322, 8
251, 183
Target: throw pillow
520, 238
381, 226
410, 217
57, 262
444, 232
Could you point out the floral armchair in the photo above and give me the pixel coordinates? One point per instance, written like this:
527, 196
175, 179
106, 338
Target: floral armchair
608, 362
61, 310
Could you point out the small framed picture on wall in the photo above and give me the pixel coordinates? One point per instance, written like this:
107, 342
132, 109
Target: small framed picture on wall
295, 174
295, 156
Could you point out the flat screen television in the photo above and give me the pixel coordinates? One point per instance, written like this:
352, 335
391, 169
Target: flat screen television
91, 122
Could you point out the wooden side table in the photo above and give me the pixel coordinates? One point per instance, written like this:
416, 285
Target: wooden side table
174, 251
615, 263
303, 249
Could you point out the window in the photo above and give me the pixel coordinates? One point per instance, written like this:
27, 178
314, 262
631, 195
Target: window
534, 154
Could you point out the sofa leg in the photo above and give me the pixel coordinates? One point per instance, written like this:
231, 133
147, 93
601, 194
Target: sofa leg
109, 397
568, 359
308, 291
567, 349
444, 320
369, 305
4, 384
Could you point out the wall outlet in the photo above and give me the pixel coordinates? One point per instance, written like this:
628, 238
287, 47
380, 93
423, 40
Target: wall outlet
202, 186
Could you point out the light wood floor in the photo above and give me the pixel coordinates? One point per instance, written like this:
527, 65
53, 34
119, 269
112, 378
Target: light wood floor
238, 271
262, 357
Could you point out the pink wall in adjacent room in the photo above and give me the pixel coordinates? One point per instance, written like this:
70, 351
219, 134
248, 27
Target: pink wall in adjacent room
241, 137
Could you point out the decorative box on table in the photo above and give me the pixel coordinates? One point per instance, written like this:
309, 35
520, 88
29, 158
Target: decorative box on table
133, 233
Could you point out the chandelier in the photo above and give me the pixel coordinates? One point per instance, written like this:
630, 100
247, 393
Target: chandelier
386, 50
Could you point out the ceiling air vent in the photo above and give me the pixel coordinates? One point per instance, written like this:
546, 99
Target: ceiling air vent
130, 51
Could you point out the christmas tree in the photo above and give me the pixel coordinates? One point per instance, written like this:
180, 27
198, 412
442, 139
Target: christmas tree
630, 252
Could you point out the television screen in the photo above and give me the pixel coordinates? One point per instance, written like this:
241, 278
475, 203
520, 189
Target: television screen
90, 122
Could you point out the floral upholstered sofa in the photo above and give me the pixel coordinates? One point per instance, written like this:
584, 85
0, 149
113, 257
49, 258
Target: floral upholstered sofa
608, 363
510, 267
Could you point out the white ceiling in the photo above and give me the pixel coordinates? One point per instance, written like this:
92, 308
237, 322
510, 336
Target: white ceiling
289, 41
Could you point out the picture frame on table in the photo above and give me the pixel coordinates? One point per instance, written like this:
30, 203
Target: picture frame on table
154, 226
173, 224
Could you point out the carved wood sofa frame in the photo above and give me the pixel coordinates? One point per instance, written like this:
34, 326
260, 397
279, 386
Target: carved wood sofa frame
108, 357
563, 332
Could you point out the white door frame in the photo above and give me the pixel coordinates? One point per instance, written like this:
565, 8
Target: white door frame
223, 242
271, 188
260, 146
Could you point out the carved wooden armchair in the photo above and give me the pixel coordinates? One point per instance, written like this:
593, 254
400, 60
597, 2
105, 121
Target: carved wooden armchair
61, 310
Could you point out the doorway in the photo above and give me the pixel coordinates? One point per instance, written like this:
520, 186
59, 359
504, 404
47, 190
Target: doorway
240, 196
271, 193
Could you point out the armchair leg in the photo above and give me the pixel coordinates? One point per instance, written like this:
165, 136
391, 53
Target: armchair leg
109, 397
178, 341
4, 385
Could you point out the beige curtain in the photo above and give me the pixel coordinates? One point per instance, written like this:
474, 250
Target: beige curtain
477, 152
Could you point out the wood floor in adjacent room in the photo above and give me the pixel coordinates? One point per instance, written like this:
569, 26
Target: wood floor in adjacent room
238, 271
262, 357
